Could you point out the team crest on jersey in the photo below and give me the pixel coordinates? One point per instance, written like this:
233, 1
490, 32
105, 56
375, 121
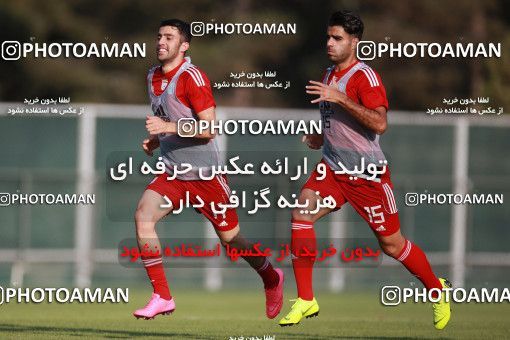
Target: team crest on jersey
164, 83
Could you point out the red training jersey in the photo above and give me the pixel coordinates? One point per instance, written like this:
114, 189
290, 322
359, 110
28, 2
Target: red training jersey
365, 87
193, 87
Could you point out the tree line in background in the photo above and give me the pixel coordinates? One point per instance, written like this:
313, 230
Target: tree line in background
411, 84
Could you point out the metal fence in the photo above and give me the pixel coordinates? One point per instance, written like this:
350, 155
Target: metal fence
85, 254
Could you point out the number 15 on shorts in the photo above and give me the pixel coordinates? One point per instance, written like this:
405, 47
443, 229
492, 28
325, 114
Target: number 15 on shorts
374, 214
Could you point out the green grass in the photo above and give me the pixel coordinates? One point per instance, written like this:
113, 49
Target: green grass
204, 315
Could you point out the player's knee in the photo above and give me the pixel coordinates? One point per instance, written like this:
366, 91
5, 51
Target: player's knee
228, 237
227, 240
143, 214
392, 249
297, 215
392, 245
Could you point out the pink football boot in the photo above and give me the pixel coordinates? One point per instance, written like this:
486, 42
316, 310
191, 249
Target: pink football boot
156, 306
274, 297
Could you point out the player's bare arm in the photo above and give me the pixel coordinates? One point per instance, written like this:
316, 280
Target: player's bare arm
207, 115
375, 120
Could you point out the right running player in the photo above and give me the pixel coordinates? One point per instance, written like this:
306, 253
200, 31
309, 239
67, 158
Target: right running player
353, 108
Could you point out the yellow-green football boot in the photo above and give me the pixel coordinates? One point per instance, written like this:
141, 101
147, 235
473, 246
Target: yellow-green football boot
299, 310
441, 309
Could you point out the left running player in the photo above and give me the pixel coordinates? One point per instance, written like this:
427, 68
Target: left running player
179, 89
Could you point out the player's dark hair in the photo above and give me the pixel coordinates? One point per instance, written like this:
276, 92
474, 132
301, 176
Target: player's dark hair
182, 26
350, 21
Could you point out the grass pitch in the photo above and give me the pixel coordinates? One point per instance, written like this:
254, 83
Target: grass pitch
226, 314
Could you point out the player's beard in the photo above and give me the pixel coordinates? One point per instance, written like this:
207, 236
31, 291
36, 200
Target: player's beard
168, 57
339, 58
